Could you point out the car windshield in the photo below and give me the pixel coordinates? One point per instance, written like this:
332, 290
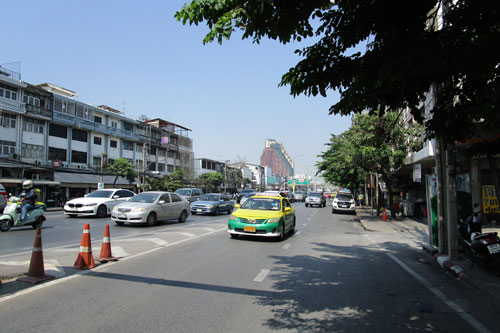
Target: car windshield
299, 192
344, 197
315, 194
262, 204
210, 197
100, 194
183, 192
144, 197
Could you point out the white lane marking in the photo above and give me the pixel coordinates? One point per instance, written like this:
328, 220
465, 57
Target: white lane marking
98, 268
187, 234
297, 232
262, 275
286, 246
304, 224
155, 240
203, 228
465, 316
309, 219
51, 266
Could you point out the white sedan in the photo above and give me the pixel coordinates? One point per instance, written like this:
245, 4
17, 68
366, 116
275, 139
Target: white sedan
98, 203
149, 207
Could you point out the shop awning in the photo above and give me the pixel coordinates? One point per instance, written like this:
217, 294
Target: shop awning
36, 182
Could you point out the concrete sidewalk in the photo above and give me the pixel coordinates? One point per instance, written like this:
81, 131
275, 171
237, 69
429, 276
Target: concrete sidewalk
462, 268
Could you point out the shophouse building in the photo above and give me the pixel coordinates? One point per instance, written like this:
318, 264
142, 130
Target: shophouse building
64, 145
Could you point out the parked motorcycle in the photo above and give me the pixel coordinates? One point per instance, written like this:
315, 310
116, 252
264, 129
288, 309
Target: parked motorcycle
483, 248
12, 213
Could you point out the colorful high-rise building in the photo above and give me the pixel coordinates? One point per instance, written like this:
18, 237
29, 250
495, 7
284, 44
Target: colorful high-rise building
275, 156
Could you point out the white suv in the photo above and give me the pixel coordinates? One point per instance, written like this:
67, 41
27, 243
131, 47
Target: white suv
344, 202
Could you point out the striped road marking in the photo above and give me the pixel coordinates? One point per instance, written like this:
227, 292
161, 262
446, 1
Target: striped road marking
262, 275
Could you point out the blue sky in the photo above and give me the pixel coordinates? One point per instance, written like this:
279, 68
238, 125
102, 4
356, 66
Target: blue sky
135, 57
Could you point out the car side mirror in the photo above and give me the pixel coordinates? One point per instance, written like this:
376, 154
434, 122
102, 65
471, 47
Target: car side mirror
116, 196
161, 201
288, 209
237, 206
476, 204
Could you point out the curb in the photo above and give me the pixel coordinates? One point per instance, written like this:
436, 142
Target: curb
445, 262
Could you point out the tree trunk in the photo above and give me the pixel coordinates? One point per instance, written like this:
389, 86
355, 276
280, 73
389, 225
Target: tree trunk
116, 178
387, 181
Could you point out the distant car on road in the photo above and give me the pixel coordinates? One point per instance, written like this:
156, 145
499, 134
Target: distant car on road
98, 203
299, 196
149, 207
244, 193
344, 202
212, 203
315, 199
190, 194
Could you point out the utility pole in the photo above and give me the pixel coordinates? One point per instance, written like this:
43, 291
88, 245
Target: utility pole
143, 164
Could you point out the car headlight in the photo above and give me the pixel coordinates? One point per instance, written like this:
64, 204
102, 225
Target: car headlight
210, 206
115, 209
233, 217
274, 220
138, 209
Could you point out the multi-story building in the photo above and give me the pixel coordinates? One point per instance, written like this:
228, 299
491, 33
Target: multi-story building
275, 156
64, 144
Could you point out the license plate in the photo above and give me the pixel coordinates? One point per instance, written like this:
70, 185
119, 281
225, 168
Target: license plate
494, 248
198, 210
121, 215
250, 229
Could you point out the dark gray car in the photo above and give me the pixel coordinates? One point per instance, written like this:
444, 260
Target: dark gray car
212, 203
315, 199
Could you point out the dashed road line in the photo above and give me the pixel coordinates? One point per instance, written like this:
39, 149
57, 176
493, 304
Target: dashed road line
286, 246
262, 275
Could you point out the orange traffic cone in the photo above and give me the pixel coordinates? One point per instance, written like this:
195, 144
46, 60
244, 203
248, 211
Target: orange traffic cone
85, 260
106, 247
384, 216
36, 272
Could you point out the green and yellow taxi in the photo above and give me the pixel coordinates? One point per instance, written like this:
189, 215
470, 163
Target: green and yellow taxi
264, 214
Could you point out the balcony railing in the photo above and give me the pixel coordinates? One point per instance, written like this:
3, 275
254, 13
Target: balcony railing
38, 110
92, 126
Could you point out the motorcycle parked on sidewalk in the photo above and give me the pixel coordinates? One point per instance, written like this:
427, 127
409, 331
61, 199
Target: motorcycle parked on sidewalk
12, 213
483, 248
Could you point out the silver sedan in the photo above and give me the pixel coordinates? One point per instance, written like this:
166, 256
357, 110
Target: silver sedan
149, 207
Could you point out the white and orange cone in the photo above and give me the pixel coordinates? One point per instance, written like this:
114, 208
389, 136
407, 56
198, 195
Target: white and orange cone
106, 247
85, 260
36, 272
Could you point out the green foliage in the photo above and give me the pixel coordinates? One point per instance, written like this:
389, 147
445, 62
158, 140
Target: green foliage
373, 143
234, 178
168, 183
211, 181
381, 55
122, 168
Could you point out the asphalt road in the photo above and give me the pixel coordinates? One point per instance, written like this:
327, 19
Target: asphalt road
330, 276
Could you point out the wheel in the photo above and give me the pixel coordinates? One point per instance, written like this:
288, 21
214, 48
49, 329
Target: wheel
151, 220
292, 231
230, 210
183, 216
37, 223
71, 215
234, 236
102, 211
307, 205
5, 224
119, 223
282, 232
333, 211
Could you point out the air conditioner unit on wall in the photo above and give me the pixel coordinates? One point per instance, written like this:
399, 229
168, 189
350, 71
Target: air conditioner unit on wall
35, 176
